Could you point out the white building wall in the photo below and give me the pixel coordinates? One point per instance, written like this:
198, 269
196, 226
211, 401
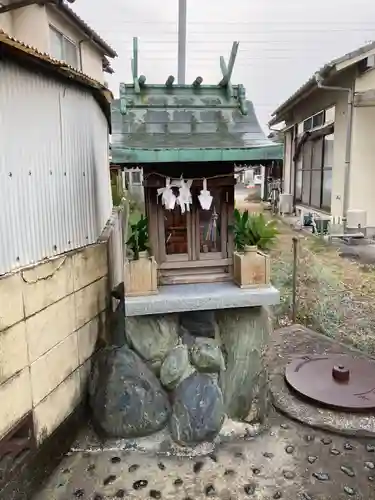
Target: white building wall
6, 23
54, 169
338, 172
362, 172
90, 58
30, 25
288, 160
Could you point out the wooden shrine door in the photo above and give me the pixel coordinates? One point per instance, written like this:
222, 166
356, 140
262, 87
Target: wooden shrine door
195, 246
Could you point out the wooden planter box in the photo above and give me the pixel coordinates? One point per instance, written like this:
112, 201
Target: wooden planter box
251, 268
141, 276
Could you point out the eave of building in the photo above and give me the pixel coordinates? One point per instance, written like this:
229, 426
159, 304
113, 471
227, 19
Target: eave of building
327, 71
17, 51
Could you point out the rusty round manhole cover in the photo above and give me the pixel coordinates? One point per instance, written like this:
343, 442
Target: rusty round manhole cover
337, 381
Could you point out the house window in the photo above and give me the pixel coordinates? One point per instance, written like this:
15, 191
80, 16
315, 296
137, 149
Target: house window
314, 173
314, 121
136, 178
330, 115
63, 48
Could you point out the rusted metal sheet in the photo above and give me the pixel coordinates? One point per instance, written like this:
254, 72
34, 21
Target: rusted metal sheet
336, 381
54, 179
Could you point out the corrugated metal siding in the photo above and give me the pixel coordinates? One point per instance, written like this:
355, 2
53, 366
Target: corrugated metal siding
55, 191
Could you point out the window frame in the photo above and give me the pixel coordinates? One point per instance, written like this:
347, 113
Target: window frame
136, 178
313, 119
305, 170
65, 39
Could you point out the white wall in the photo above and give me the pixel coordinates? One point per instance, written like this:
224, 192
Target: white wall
30, 25
338, 172
362, 173
90, 56
58, 196
288, 181
6, 23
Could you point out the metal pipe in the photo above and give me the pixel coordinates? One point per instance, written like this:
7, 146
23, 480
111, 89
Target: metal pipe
348, 145
294, 283
181, 42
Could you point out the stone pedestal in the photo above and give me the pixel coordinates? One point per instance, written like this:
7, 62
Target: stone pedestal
244, 336
195, 356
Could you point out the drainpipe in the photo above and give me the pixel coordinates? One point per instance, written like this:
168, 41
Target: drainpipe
80, 43
292, 165
349, 127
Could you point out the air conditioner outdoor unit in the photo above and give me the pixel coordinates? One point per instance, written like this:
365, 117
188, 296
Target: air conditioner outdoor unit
356, 219
286, 203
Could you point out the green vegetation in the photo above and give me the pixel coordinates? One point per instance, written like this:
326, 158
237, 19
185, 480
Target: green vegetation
138, 241
118, 193
253, 230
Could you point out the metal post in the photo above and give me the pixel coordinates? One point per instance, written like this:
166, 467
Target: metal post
294, 284
182, 42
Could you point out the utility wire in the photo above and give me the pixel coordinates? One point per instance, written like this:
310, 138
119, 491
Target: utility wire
241, 23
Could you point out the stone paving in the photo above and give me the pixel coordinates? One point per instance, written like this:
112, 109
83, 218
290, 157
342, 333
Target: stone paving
285, 460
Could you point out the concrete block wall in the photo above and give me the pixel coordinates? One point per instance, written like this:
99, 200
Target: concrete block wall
50, 319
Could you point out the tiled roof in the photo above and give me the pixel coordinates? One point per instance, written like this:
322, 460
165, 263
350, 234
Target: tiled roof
23, 51
58, 65
86, 29
311, 82
184, 118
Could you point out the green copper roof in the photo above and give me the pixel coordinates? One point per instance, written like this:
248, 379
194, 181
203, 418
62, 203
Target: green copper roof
186, 126
187, 123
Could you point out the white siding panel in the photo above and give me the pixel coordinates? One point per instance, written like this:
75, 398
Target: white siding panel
54, 178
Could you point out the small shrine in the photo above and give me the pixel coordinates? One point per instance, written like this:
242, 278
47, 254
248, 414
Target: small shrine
189, 337
188, 139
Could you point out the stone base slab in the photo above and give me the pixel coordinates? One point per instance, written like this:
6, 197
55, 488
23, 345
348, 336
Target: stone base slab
200, 297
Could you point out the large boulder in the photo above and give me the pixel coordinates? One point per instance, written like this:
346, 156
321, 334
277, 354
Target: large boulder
244, 333
198, 410
176, 367
152, 337
206, 355
198, 323
126, 397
